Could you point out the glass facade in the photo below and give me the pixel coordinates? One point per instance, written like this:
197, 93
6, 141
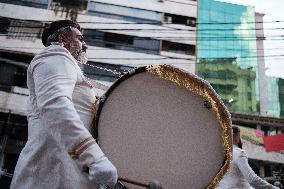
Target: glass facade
227, 55
281, 96
275, 93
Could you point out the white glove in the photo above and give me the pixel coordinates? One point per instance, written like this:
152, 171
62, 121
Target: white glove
101, 170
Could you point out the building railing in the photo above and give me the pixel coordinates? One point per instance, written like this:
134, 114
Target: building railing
257, 120
31, 3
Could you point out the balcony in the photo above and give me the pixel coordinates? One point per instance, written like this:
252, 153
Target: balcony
71, 7
43, 4
72, 3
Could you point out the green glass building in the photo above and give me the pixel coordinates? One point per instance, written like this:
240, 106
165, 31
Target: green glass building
281, 96
227, 55
275, 89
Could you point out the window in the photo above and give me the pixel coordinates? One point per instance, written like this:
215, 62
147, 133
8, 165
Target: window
177, 19
72, 2
65, 5
118, 38
124, 13
71, 8
249, 96
12, 75
248, 82
178, 48
13, 68
121, 41
24, 30
21, 29
4, 25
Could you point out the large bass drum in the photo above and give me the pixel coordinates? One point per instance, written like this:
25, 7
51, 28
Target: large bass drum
161, 123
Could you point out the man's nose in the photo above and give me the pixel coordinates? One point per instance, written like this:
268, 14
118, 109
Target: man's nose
84, 46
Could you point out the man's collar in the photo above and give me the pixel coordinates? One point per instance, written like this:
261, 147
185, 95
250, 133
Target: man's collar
57, 43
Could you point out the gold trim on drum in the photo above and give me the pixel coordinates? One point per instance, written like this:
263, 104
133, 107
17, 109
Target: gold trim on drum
81, 147
203, 89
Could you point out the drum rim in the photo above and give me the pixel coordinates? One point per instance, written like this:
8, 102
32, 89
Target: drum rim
226, 134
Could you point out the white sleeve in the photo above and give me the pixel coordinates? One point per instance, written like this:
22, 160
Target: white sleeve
54, 84
249, 174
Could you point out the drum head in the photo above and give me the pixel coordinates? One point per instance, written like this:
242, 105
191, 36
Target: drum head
163, 124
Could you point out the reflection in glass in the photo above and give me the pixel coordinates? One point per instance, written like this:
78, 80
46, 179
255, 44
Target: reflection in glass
235, 85
226, 53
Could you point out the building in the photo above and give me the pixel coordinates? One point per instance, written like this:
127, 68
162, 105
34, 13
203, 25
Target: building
228, 31
236, 86
230, 55
121, 34
261, 64
130, 33
281, 96
275, 98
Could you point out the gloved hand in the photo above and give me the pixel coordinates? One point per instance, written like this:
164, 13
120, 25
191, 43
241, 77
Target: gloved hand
101, 170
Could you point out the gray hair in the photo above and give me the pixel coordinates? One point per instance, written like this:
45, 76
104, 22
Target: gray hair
54, 37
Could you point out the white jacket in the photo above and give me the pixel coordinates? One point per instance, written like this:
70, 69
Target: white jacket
60, 147
240, 174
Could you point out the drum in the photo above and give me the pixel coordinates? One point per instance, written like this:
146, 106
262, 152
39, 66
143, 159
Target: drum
164, 124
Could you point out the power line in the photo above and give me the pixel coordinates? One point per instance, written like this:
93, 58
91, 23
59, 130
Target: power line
105, 49
202, 49
150, 22
20, 34
192, 59
162, 29
246, 22
178, 58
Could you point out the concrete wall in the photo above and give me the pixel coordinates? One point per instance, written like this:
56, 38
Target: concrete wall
261, 65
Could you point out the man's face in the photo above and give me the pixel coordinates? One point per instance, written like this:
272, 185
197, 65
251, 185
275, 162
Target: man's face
236, 138
76, 45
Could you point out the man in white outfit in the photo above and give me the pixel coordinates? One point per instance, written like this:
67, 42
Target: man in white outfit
60, 152
240, 174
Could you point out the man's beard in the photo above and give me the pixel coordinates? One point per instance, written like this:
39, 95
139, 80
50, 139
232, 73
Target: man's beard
82, 58
80, 55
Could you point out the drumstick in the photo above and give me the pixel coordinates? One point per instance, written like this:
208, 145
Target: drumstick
152, 184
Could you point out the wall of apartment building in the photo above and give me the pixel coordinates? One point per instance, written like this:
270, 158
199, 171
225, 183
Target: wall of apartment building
261, 64
167, 35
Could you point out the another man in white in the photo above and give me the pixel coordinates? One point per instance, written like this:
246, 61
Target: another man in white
240, 174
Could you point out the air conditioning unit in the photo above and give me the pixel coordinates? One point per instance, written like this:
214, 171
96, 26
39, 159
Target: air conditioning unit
190, 22
167, 20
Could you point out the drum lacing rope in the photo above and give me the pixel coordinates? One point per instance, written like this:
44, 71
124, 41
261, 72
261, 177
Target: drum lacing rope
106, 69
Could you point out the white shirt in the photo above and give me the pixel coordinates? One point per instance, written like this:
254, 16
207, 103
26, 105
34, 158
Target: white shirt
240, 175
60, 112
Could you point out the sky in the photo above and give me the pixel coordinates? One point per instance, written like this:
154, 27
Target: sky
273, 46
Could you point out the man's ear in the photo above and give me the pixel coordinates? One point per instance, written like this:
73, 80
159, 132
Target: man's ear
62, 39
